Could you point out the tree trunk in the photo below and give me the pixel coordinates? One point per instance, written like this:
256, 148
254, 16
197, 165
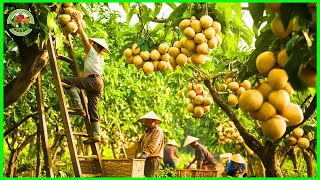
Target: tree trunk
11, 163
255, 166
310, 165
32, 61
272, 164
15, 154
293, 157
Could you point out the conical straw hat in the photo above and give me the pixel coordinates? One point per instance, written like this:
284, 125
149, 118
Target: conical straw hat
150, 115
189, 140
102, 43
173, 142
237, 158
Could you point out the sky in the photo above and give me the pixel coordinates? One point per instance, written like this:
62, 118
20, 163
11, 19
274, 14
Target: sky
165, 12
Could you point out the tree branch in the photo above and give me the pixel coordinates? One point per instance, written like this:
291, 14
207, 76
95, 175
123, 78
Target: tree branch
10, 130
159, 20
312, 148
308, 112
250, 140
26, 142
32, 62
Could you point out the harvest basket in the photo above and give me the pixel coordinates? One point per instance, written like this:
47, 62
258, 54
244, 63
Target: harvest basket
115, 167
196, 173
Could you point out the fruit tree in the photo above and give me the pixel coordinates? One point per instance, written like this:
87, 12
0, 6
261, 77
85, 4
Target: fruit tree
240, 88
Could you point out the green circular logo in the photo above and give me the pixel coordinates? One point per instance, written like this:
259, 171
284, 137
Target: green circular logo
20, 21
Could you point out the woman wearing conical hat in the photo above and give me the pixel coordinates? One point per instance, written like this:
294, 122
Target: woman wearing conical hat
170, 153
203, 157
236, 166
151, 144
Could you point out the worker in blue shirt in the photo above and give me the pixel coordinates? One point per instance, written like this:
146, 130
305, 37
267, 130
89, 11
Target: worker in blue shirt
236, 166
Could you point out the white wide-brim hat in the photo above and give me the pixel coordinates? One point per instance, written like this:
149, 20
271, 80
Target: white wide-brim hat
237, 158
102, 43
150, 115
173, 142
189, 140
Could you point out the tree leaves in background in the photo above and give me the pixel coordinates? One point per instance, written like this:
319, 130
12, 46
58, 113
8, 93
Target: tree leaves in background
132, 11
157, 8
293, 68
262, 44
177, 15
126, 6
256, 10
172, 5
298, 57
50, 20
290, 10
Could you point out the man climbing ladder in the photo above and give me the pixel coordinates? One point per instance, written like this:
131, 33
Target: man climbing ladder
91, 82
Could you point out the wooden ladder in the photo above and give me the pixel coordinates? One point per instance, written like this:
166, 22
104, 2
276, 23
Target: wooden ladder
65, 113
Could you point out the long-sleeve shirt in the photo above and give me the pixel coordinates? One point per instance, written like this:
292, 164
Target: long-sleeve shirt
202, 154
152, 142
169, 153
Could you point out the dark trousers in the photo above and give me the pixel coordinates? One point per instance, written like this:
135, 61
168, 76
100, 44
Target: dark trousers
93, 85
152, 166
170, 164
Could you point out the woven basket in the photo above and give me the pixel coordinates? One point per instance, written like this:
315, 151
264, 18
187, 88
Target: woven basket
90, 166
196, 173
115, 167
205, 173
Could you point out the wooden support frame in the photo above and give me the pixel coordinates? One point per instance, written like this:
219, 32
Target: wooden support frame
43, 129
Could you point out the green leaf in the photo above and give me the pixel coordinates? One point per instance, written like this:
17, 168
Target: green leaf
126, 6
50, 20
58, 38
220, 67
293, 9
263, 42
207, 66
256, 10
157, 8
158, 27
172, 5
293, 67
290, 45
131, 12
178, 12
21, 5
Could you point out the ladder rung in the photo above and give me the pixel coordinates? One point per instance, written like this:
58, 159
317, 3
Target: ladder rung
82, 134
81, 113
59, 163
91, 175
88, 157
65, 59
